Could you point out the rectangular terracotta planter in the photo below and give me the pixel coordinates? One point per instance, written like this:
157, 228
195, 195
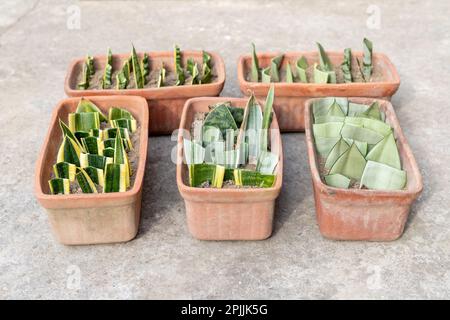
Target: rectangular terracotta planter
227, 214
361, 214
165, 104
92, 218
290, 97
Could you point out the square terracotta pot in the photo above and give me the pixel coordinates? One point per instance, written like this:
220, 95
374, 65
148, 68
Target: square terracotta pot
92, 218
290, 97
361, 214
227, 214
165, 104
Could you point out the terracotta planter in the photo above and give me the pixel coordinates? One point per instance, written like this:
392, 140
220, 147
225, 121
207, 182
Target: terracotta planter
165, 104
290, 97
92, 218
227, 214
360, 214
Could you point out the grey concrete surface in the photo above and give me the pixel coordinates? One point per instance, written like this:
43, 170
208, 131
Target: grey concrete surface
164, 261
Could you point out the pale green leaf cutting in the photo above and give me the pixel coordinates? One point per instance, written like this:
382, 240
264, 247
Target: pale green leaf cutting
350, 164
194, 153
354, 132
386, 152
275, 64
325, 144
302, 65
267, 117
267, 162
363, 147
337, 180
289, 75
340, 147
320, 76
161, 76
355, 109
379, 176
265, 75
327, 130
325, 62
378, 126
321, 106
373, 112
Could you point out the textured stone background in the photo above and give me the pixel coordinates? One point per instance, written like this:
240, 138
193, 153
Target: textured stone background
164, 261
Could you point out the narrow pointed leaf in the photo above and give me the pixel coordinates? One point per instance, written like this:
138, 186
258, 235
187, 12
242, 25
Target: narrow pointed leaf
177, 66
69, 152
325, 62
267, 162
346, 65
367, 66
340, 147
138, 77
267, 118
255, 65
86, 105
96, 175
220, 117
289, 75
161, 76
322, 105
107, 73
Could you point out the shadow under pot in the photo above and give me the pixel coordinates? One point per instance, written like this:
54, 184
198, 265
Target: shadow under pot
165, 103
227, 213
360, 213
289, 103
81, 218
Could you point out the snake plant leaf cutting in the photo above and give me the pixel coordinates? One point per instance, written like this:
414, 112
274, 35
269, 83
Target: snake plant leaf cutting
85, 182
138, 76
87, 73
92, 156
145, 66
356, 147
206, 68
324, 71
192, 68
346, 65
255, 71
224, 152
161, 76
178, 67
367, 66
116, 178
69, 152
86, 105
107, 75
65, 170
123, 76
59, 186
289, 74
272, 73
302, 65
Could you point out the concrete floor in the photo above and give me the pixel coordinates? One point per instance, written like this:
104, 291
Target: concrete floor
164, 261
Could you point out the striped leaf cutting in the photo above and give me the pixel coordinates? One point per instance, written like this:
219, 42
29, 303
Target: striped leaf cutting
96, 175
65, 170
124, 123
85, 182
138, 77
59, 186
107, 74
66, 132
121, 157
84, 121
94, 160
92, 145
177, 66
86, 105
116, 176
69, 151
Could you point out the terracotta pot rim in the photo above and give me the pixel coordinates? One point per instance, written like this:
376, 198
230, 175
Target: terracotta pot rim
245, 84
129, 194
185, 188
414, 191
183, 91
